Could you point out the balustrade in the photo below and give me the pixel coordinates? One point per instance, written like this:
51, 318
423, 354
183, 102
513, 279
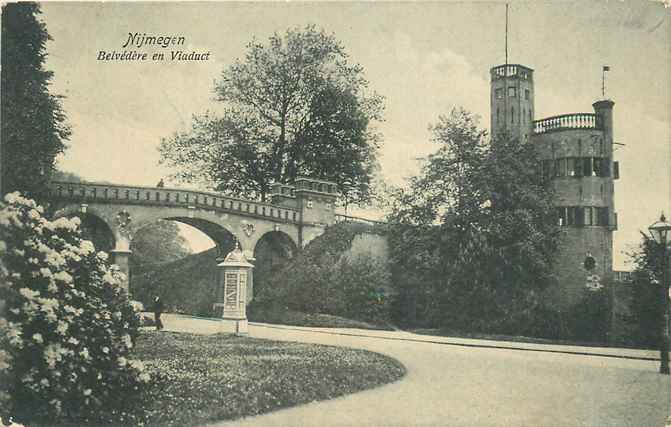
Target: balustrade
150, 196
567, 121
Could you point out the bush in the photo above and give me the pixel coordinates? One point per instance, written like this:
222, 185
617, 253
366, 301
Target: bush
324, 279
69, 327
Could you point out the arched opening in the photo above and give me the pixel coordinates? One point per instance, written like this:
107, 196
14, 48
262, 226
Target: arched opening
272, 252
176, 259
96, 230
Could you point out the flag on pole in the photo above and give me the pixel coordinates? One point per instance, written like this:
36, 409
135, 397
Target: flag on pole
606, 68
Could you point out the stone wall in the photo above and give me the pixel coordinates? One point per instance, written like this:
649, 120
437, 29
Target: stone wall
374, 245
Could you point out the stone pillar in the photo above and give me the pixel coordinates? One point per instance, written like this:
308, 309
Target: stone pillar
234, 278
121, 258
250, 281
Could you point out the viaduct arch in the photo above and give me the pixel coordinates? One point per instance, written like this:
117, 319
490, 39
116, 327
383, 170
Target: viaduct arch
297, 214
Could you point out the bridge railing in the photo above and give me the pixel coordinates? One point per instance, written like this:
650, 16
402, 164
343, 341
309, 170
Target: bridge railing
111, 193
568, 121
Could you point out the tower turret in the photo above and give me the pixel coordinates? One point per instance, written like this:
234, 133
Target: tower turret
512, 101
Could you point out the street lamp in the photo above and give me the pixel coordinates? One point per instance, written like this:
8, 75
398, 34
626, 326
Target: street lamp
660, 233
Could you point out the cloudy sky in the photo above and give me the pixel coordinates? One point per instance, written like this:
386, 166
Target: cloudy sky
425, 58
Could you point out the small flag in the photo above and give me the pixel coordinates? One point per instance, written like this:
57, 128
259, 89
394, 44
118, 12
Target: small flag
606, 68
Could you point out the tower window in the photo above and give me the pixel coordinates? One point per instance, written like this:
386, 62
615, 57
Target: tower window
570, 166
560, 167
579, 163
498, 113
527, 94
512, 92
499, 93
601, 216
512, 114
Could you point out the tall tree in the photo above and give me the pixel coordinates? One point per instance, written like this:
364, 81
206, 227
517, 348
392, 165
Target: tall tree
647, 308
33, 123
494, 230
294, 106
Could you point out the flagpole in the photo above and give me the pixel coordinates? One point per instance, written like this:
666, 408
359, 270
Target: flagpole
506, 34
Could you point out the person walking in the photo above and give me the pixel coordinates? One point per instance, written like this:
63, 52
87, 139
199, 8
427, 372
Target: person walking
158, 309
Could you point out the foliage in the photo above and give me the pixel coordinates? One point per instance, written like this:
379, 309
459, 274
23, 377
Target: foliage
271, 253
648, 290
158, 243
480, 232
185, 285
293, 107
589, 319
33, 123
217, 377
324, 279
69, 326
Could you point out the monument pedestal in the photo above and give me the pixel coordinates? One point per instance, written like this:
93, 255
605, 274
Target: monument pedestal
234, 326
233, 284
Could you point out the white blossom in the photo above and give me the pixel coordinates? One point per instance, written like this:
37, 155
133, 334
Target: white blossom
63, 277
86, 246
29, 294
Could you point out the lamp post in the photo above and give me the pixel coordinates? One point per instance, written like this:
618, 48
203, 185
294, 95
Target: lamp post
660, 232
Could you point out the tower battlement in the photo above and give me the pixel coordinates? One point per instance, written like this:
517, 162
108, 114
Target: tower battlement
512, 101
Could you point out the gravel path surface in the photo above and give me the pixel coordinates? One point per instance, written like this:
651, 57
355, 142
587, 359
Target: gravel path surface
464, 382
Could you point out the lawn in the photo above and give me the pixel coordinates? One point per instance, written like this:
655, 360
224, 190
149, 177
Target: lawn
313, 320
205, 378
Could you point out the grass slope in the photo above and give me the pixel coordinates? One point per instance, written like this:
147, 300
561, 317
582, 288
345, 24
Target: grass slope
185, 285
206, 378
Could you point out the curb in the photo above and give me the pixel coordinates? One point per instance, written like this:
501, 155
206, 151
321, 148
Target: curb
490, 346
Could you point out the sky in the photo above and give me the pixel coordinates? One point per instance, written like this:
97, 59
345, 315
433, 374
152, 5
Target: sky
424, 58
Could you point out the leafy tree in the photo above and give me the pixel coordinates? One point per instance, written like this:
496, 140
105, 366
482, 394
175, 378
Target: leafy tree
294, 106
486, 235
33, 123
647, 288
59, 175
158, 243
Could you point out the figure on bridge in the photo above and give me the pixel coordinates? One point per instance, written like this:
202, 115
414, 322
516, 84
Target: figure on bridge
160, 184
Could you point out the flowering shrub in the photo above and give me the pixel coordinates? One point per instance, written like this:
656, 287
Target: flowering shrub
68, 327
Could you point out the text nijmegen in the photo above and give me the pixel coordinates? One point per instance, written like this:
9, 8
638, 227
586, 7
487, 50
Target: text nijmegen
138, 40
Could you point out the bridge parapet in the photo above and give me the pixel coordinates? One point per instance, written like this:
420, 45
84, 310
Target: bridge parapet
91, 192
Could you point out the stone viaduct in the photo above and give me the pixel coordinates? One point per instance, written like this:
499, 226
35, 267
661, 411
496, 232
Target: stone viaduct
297, 213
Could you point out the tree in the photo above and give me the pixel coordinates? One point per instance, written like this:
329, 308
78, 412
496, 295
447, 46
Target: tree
494, 234
647, 289
158, 243
293, 107
33, 123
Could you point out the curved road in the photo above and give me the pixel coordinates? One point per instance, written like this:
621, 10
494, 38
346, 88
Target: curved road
461, 382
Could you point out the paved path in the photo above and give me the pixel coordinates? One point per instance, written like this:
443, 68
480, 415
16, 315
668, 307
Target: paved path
449, 384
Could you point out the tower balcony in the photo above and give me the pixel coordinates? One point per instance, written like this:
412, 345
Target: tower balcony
512, 70
568, 121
